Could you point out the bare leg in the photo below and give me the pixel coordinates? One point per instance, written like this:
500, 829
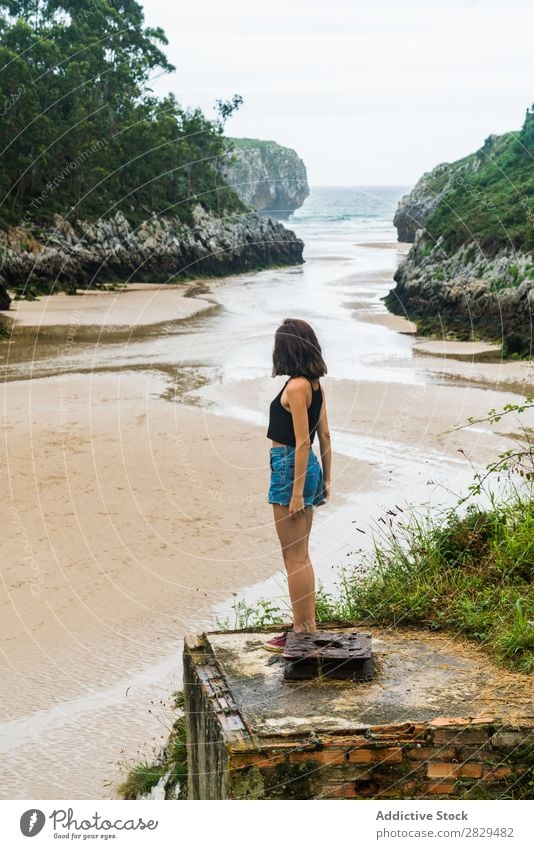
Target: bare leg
293, 533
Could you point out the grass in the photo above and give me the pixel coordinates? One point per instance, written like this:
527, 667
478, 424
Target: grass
171, 761
140, 780
264, 612
465, 572
470, 574
491, 204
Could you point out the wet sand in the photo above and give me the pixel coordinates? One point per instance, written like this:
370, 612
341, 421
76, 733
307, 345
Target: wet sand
458, 350
134, 305
393, 322
402, 247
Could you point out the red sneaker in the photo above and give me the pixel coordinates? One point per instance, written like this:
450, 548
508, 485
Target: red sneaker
277, 644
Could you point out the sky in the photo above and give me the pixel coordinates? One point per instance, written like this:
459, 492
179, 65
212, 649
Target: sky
368, 92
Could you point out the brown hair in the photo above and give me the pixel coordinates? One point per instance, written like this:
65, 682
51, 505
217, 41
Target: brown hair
297, 351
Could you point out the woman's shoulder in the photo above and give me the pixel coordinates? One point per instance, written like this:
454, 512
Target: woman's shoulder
297, 383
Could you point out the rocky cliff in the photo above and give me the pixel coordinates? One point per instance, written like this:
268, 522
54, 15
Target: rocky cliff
470, 272
159, 250
416, 208
269, 177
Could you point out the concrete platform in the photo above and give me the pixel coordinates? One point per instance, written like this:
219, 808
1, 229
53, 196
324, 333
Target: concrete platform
436, 716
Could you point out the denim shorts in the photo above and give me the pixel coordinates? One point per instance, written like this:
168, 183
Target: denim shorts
282, 461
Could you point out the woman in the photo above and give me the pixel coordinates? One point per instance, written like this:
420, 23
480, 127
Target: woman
298, 484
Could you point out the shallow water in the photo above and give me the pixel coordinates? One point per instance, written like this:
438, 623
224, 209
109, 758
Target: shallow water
235, 341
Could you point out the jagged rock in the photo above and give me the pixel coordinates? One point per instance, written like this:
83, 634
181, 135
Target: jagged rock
415, 208
266, 175
468, 294
159, 250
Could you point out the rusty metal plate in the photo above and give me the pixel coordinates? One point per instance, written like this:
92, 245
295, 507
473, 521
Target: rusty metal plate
328, 644
329, 654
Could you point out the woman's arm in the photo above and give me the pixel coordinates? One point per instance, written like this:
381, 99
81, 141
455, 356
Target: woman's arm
297, 397
326, 450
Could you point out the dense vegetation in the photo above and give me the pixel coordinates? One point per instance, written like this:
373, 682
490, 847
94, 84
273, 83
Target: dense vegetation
81, 133
470, 574
489, 196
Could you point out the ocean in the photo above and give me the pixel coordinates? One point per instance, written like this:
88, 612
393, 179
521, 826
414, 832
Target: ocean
341, 215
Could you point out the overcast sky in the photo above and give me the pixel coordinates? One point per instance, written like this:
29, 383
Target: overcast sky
366, 91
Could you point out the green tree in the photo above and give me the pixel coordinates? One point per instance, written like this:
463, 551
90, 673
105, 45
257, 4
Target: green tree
81, 133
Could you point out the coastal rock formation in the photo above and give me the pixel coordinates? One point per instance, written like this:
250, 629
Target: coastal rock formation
470, 272
159, 250
269, 177
414, 209
467, 295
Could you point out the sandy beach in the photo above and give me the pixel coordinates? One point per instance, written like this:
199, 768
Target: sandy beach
402, 247
135, 305
392, 322
458, 350
136, 501
128, 519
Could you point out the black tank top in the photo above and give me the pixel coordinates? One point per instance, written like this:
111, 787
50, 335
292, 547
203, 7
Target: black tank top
281, 421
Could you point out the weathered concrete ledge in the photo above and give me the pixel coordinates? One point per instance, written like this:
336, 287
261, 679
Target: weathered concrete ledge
438, 721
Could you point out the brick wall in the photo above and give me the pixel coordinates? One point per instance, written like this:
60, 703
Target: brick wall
445, 757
